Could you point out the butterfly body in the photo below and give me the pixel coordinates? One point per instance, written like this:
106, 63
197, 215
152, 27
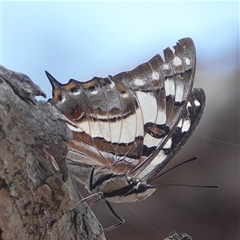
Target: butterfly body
114, 187
127, 127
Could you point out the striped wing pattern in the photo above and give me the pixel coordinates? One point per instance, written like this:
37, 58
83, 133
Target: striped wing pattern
136, 121
190, 118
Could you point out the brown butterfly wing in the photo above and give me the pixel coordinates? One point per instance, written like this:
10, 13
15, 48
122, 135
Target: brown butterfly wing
124, 121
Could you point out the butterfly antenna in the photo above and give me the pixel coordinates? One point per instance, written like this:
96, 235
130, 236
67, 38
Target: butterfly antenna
187, 185
178, 165
180, 184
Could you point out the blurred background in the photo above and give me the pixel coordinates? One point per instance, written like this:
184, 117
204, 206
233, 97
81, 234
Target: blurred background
80, 40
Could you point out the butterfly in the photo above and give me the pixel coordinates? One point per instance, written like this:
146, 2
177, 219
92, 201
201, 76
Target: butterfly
127, 127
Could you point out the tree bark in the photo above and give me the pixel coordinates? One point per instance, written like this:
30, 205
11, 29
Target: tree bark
36, 193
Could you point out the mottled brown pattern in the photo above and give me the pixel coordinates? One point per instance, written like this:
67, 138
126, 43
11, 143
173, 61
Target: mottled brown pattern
70, 86
56, 94
89, 84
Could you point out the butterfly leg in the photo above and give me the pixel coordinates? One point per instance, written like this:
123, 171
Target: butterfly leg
119, 218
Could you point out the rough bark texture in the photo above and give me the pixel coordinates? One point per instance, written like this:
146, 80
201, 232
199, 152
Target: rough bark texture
36, 191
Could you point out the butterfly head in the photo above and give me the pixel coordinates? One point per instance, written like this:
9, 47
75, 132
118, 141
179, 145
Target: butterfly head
144, 190
121, 188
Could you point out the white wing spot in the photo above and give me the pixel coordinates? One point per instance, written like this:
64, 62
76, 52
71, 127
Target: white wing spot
168, 143
125, 95
150, 141
186, 125
127, 129
189, 104
148, 105
112, 85
177, 61
139, 82
63, 99
76, 93
169, 87
165, 66
187, 61
161, 117
179, 93
180, 123
155, 75
197, 103
94, 92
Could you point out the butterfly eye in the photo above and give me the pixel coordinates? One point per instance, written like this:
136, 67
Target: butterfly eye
142, 187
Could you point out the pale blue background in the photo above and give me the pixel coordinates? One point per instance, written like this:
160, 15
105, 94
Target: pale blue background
85, 39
